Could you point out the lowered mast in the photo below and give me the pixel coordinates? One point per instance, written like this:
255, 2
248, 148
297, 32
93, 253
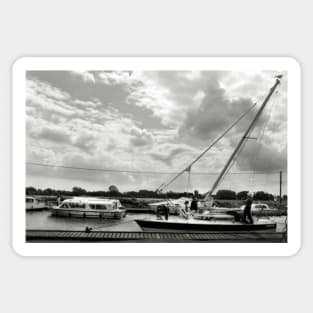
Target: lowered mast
243, 139
188, 167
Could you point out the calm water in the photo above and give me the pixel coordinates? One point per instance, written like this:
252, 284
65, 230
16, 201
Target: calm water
43, 220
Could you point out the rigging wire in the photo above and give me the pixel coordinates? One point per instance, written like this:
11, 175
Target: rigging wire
135, 171
186, 168
261, 135
246, 140
189, 180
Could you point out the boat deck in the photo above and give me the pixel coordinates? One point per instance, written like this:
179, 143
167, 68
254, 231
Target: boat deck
168, 237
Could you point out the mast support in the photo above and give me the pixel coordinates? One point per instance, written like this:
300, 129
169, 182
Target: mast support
243, 139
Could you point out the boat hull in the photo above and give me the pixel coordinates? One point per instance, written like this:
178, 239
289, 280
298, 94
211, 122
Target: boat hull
107, 214
41, 208
38, 207
162, 225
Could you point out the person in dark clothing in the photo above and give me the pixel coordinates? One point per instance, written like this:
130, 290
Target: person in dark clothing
162, 210
194, 202
247, 212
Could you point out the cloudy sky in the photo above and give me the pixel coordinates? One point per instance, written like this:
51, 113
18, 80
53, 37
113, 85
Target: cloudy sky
153, 121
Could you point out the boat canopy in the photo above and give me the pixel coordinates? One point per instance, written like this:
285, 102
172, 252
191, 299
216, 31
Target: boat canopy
108, 203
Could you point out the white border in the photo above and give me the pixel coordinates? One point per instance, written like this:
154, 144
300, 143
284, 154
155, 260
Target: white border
157, 249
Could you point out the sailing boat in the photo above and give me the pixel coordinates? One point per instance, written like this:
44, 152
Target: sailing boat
212, 219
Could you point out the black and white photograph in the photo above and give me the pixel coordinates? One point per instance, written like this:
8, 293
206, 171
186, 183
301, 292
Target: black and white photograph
156, 156
165, 156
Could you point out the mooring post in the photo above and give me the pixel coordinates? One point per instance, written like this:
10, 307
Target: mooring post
280, 184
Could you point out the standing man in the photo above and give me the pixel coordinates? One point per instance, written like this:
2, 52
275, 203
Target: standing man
247, 211
194, 202
162, 210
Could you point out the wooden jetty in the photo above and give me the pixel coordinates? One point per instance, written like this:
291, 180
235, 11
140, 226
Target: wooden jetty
165, 237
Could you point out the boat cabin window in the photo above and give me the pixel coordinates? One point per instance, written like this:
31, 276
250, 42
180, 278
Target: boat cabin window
76, 205
29, 200
73, 205
260, 206
98, 206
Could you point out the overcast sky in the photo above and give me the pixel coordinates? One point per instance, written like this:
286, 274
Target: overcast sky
151, 121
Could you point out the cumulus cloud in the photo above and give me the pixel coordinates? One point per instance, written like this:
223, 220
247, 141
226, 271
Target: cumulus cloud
168, 157
86, 76
140, 137
85, 141
53, 134
155, 120
262, 158
170, 94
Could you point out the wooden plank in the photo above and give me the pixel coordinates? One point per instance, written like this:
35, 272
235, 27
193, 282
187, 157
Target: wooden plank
33, 235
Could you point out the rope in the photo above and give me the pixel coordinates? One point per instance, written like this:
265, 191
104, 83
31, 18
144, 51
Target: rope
261, 135
189, 187
244, 143
127, 171
233, 162
186, 168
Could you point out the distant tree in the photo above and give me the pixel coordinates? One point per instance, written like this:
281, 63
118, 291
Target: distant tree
225, 195
263, 196
146, 193
173, 195
31, 191
242, 195
113, 189
49, 192
77, 191
132, 194
40, 191
285, 198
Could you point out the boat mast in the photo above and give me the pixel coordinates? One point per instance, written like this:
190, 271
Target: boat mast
188, 167
243, 139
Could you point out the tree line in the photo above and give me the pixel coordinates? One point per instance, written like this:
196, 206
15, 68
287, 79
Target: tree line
113, 191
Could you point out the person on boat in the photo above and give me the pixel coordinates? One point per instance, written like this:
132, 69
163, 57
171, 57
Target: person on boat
162, 211
247, 211
194, 202
186, 206
183, 212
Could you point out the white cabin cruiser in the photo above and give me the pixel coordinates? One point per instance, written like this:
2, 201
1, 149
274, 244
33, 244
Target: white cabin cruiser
34, 204
90, 208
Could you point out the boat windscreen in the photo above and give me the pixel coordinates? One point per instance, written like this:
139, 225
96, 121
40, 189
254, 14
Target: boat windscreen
76, 205
98, 206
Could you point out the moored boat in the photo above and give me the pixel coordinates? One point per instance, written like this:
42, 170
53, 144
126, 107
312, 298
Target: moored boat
90, 208
204, 225
34, 204
210, 218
